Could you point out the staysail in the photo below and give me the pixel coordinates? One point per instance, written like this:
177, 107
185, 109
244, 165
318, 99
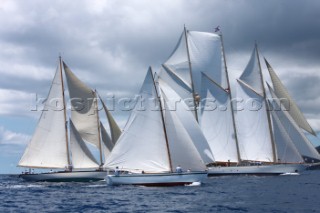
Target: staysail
80, 154
303, 145
47, 148
289, 103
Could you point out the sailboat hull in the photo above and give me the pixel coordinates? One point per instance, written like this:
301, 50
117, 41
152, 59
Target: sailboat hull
257, 169
74, 176
160, 179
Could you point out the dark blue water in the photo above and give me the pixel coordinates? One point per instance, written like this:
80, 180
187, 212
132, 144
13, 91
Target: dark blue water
219, 194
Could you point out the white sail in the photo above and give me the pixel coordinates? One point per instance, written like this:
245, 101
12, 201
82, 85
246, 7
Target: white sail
84, 112
289, 103
114, 128
303, 145
107, 143
178, 62
142, 145
254, 137
286, 150
217, 122
181, 146
251, 74
80, 154
206, 56
47, 148
183, 113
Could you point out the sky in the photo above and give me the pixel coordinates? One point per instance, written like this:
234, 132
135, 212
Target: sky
109, 44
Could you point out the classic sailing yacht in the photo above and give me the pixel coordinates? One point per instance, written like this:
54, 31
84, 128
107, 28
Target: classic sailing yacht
266, 146
54, 147
198, 66
155, 141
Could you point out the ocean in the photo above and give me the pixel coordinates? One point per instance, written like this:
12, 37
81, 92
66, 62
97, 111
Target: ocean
290, 193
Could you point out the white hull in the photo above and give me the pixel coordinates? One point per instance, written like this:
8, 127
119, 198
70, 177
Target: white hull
257, 169
160, 179
74, 176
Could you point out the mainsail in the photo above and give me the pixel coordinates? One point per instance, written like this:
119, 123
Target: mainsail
141, 145
253, 127
217, 121
47, 148
282, 93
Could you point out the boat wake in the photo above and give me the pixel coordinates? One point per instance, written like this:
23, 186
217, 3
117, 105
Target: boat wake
194, 184
290, 173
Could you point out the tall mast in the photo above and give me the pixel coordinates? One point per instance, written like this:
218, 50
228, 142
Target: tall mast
230, 96
267, 107
190, 70
65, 114
162, 118
98, 123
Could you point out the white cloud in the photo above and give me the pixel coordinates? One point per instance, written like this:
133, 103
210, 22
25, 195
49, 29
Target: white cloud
9, 137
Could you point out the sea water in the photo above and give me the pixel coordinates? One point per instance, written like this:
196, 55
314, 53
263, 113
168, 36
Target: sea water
288, 193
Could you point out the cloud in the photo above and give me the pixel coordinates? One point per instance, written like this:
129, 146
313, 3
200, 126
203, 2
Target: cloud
8, 137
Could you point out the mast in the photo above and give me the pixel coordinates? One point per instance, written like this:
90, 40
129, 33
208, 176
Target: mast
99, 128
230, 95
267, 108
65, 114
190, 71
162, 118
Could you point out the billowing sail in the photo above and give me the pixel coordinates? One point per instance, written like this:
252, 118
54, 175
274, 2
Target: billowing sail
184, 129
303, 145
80, 154
142, 145
114, 128
254, 137
47, 148
289, 103
107, 143
206, 56
84, 112
217, 121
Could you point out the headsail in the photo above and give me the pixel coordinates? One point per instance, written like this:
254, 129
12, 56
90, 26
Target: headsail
282, 93
114, 128
81, 156
84, 113
107, 141
47, 148
303, 145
